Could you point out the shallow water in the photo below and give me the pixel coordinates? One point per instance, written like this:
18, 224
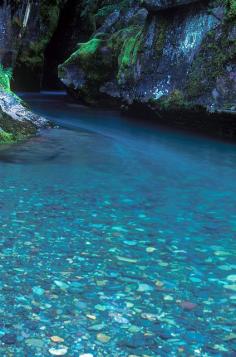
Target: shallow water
118, 237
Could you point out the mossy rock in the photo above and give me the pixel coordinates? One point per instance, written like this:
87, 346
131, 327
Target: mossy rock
14, 130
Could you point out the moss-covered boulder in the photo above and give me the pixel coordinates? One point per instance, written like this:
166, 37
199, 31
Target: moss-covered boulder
16, 121
181, 56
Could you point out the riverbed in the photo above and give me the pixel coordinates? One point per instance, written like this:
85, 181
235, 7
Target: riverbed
117, 238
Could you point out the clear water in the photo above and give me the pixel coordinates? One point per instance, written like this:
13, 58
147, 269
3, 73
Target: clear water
118, 237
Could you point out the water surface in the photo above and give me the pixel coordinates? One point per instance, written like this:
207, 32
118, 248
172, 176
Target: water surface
118, 237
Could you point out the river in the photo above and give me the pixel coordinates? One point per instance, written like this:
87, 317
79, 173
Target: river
117, 237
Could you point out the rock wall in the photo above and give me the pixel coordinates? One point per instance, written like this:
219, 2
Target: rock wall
16, 19
176, 58
42, 22
173, 56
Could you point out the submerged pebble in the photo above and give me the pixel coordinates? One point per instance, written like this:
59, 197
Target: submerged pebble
58, 351
9, 339
57, 339
161, 282
188, 305
103, 338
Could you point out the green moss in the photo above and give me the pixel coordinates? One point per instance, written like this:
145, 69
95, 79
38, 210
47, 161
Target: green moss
125, 45
160, 35
210, 62
32, 54
174, 101
5, 78
14, 130
94, 63
88, 49
85, 52
231, 9
6, 138
129, 50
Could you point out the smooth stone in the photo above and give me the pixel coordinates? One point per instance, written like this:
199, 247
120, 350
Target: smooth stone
119, 318
57, 339
159, 284
119, 229
130, 242
168, 298
58, 351
150, 249
91, 317
127, 260
144, 288
195, 280
103, 338
38, 290
34, 342
232, 278
134, 329
221, 253
149, 316
138, 341
230, 287
9, 339
225, 267
230, 337
100, 307
97, 327
61, 284
101, 282
187, 305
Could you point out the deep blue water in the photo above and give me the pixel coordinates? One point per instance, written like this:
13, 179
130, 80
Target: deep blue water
117, 236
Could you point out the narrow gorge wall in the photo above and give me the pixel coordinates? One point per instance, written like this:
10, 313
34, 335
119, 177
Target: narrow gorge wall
176, 58
20, 24
168, 55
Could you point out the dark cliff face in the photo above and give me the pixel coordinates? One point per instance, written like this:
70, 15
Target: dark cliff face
42, 22
157, 5
165, 54
16, 122
170, 56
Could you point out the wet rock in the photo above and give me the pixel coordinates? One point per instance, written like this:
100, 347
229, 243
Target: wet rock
230, 287
231, 278
97, 327
150, 249
188, 305
56, 339
157, 5
91, 317
103, 338
139, 341
9, 339
61, 284
58, 351
38, 290
144, 288
127, 260
230, 337
34, 342
16, 120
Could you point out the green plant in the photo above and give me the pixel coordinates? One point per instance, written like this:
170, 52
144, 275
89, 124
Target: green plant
5, 78
232, 8
5, 138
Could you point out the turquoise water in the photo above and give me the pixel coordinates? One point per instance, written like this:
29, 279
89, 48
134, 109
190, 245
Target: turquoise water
118, 237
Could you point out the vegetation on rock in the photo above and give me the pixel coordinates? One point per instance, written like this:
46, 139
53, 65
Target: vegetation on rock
5, 78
